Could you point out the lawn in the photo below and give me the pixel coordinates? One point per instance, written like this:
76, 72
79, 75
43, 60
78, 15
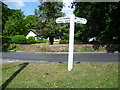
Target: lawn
55, 75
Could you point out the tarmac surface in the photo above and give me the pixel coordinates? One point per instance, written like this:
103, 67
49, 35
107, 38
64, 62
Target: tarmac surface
59, 57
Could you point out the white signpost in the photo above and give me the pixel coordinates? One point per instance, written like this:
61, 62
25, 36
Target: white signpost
72, 19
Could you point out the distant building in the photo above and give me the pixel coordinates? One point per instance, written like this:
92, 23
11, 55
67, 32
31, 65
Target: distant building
92, 39
33, 33
55, 39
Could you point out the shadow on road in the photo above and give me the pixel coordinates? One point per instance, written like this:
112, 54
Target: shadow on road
6, 83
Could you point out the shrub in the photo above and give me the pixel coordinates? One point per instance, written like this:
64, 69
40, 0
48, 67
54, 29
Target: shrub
12, 47
63, 42
42, 41
6, 39
31, 40
19, 39
78, 42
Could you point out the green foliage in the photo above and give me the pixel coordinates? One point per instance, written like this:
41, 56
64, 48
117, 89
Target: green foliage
63, 42
5, 47
6, 12
19, 39
31, 40
42, 41
33, 22
78, 42
16, 25
6, 40
110, 48
13, 22
12, 47
102, 22
48, 12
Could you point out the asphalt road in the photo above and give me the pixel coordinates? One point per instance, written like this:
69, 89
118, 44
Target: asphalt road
58, 57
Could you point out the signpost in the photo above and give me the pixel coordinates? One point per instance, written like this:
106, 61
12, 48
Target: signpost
72, 19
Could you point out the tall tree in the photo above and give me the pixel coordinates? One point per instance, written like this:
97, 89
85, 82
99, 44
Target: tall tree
48, 12
102, 21
16, 24
33, 21
6, 12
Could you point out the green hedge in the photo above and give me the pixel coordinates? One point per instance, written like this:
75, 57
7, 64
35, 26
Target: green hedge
6, 39
19, 39
63, 42
31, 40
42, 41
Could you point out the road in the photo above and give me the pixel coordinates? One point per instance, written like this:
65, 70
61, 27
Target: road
58, 57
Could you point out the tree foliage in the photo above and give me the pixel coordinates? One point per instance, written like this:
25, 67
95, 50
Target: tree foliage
102, 22
33, 22
48, 12
16, 24
6, 12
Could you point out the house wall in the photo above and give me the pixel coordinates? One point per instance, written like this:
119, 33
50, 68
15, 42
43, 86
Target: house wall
55, 40
31, 34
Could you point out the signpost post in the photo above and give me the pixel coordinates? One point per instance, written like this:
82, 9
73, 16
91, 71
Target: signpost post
72, 19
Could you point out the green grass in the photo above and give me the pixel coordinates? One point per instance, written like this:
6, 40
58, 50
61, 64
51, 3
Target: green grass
55, 75
89, 50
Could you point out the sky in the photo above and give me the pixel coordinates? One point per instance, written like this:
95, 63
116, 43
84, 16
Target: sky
29, 6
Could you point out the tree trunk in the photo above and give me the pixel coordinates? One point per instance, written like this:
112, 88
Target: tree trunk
51, 40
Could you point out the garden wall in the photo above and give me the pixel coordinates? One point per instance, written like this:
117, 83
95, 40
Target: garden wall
58, 48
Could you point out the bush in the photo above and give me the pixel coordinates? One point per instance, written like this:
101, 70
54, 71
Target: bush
19, 39
6, 39
12, 47
63, 42
31, 40
42, 41
78, 42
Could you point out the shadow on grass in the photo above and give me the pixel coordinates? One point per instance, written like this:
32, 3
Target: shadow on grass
13, 66
6, 83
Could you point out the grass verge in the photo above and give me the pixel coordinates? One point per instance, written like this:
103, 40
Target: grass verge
55, 75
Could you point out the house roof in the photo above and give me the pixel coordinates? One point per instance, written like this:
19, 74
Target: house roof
34, 31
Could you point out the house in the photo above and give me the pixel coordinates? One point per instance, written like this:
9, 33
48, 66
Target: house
33, 33
92, 39
55, 39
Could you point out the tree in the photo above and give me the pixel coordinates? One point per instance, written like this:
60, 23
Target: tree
16, 24
6, 12
48, 12
102, 21
32, 22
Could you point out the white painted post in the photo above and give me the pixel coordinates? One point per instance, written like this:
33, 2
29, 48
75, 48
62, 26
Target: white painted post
71, 42
72, 19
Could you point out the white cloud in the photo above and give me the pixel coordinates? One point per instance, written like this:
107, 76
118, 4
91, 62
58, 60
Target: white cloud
14, 4
20, 0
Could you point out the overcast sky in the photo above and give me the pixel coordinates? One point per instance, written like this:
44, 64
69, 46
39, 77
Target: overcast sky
29, 6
